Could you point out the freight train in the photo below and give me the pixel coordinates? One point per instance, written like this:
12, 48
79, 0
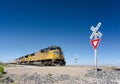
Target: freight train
50, 56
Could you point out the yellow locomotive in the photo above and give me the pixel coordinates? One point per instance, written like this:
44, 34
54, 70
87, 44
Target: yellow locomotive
50, 56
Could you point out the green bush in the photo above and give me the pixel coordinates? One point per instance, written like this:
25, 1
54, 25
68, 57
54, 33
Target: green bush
1, 69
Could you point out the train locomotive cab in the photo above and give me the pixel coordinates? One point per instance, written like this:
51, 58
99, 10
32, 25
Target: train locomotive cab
57, 56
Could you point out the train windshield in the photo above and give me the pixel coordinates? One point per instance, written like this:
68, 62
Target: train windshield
52, 48
55, 48
58, 48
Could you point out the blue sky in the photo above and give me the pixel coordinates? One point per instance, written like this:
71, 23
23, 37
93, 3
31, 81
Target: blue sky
26, 26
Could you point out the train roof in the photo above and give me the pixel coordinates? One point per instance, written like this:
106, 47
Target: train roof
53, 47
50, 47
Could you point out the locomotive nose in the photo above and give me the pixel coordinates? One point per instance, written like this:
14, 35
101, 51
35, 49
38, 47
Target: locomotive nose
58, 55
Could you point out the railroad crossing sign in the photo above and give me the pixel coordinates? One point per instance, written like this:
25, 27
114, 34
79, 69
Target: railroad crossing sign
96, 33
95, 39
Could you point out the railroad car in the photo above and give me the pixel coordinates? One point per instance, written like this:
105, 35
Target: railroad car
50, 56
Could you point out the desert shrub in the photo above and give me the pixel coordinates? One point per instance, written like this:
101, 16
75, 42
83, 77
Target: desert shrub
1, 69
49, 74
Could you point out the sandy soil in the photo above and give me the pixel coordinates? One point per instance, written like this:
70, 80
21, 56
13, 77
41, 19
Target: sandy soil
69, 70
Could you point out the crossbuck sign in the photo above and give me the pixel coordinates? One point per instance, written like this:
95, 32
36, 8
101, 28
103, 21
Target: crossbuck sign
95, 39
96, 33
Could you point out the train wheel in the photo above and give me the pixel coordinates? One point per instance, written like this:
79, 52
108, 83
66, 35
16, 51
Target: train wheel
46, 63
57, 64
42, 64
49, 63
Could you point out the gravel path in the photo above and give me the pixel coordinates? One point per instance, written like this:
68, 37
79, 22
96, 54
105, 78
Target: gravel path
59, 75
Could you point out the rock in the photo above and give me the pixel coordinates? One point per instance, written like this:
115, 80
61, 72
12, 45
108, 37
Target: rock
7, 80
104, 76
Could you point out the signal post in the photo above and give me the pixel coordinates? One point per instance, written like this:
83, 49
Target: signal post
95, 39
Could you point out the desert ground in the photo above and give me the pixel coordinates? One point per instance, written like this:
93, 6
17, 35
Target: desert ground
69, 74
69, 70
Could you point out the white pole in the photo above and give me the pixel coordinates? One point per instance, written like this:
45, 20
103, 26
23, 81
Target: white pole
95, 50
